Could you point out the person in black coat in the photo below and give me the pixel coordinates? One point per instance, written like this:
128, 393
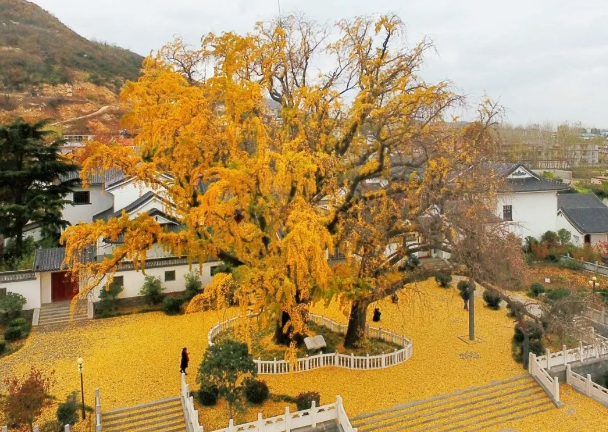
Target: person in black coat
185, 360
465, 297
377, 314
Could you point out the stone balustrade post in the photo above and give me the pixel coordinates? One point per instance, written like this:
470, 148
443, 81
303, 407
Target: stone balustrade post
260, 425
548, 354
568, 375
565, 354
580, 351
287, 420
588, 384
556, 389
66, 428
313, 413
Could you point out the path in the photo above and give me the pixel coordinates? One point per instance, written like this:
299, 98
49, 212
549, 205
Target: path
100, 111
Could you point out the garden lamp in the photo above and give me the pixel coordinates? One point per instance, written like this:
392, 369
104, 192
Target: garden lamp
593, 283
80, 361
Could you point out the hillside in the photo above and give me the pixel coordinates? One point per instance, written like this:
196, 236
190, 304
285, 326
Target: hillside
49, 71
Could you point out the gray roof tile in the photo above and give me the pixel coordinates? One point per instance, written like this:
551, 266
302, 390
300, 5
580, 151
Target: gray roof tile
585, 212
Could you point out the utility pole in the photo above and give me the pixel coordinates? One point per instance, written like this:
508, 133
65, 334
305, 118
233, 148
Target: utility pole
471, 309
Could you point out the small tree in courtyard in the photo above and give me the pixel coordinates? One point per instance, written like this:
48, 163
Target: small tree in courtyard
226, 365
26, 397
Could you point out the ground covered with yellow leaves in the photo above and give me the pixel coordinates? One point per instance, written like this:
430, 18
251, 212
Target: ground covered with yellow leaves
135, 359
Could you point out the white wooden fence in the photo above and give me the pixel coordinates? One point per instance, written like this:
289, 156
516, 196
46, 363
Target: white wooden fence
299, 419
550, 385
367, 362
587, 386
190, 414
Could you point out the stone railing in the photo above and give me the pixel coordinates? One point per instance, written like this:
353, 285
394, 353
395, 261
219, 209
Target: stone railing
190, 414
540, 374
16, 276
367, 362
97, 411
587, 386
595, 267
299, 419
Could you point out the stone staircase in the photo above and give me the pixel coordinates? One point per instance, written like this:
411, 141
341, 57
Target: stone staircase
59, 313
165, 415
474, 409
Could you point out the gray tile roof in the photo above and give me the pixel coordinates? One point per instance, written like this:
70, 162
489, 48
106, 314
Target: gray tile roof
585, 212
110, 213
533, 185
107, 177
51, 259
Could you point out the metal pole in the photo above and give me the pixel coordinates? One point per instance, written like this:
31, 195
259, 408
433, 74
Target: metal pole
82, 393
471, 310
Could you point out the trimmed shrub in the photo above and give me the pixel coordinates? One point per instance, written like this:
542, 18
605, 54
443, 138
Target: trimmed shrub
152, 290
11, 305
208, 395
194, 285
13, 333
51, 426
256, 391
172, 305
444, 280
2, 345
304, 400
463, 286
67, 412
557, 294
569, 264
536, 289
492, 299
108, 297
17, 322
535, 337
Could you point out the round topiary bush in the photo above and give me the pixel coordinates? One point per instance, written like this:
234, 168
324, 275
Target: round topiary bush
536, 289
256, 391
304, 400
12, 333
208, 395
462, 285
172, 305
443, 279
17, 322
492, 299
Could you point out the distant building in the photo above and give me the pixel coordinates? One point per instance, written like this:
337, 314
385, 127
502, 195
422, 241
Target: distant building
584, 216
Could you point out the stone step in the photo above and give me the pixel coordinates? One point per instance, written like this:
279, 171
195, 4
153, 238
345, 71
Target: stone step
161, 427
62, 313
480, 399
144, 406
442, 398
151, 412
61, 319
142, 423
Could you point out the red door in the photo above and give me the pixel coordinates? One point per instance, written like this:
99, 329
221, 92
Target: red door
63, 287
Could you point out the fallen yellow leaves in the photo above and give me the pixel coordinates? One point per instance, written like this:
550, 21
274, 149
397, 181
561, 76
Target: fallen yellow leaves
135, 359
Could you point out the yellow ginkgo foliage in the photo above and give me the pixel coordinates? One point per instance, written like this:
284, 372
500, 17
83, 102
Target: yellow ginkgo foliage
275, 147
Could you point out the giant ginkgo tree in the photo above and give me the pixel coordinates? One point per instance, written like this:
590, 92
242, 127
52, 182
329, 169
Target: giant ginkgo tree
279, 146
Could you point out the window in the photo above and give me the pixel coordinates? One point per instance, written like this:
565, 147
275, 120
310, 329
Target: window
119, 280
169, 275
507, 213
82, 197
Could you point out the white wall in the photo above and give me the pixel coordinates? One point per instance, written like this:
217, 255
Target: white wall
534, 213
45, 287
128, 192
577, 237
100, 201
30, 289
134, 280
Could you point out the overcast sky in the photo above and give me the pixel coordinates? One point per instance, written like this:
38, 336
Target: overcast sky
544, 60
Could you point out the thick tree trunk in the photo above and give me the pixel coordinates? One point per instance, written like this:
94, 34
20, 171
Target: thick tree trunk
356, 324
281, 337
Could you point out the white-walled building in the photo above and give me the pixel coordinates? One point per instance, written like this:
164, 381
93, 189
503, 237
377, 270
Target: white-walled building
527, 200
584, 216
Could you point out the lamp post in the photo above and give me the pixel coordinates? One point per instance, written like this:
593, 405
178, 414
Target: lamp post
81, 385
593, 284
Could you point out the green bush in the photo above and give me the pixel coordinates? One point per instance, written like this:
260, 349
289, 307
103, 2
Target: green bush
492, 299
13, 333
535, 337
67, 412
463, 285
557, 294
172, 305
52, 426
569, 264
256, 391
208, 395
536, 289
108, 297
2, 345
152, 290
443, 279
11, 305
194, 285
304, 400
17, 322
